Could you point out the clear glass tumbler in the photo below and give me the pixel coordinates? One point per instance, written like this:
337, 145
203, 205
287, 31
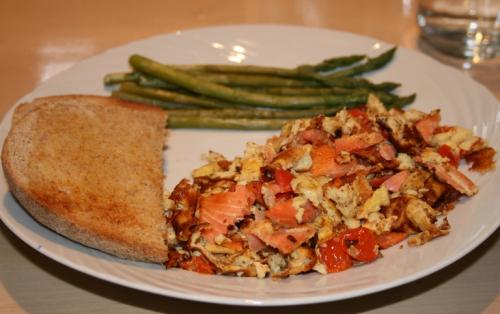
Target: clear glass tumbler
462, 28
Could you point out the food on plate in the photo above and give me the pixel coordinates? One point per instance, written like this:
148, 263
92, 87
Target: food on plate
327, 194
253, 97
90, 168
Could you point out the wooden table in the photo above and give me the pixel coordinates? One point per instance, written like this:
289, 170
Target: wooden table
38, 39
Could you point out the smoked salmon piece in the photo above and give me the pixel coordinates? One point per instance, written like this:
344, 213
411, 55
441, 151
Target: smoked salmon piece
324, 164
456, 179
358, 141
254, 243
427, 126
387, 151
224, 209
314, 136
284, 214
394, 182
285, 240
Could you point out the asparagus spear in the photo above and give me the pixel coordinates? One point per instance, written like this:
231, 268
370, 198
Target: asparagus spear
153, 82
236, 80
183, 110
261, 83
312, 91
137, 77
116, 78
309, 71
179, 117
223, 119
181, 122
227, 118
340, 61
370, 65
354, 83
180, 98
239, 69
253, 114
301, 91
330, 64
151, 101
174, 97
248, 75
325, 65
255, 80
207, 88
400, 102
287, 91
232, 80
386, 86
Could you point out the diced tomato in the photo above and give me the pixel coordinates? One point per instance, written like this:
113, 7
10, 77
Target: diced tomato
195, 263
275, 191
338, 182
359, 244
173, 259
388, 239
255, 188
198, 264
378, 181
186, 194
482, 160
364, 243
362, 117
446, 151
283, 178
281, 197
357, 112
333, 255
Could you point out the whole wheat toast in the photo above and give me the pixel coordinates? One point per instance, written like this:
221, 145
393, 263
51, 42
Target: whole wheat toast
90, 168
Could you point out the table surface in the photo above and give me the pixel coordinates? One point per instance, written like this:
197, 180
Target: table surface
39, 39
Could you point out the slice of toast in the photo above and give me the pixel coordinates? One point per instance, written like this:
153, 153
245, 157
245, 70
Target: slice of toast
90, 168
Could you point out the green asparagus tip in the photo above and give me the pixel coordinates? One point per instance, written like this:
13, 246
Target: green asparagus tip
403, 101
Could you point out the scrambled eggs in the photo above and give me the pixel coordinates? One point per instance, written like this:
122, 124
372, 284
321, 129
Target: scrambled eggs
327, 194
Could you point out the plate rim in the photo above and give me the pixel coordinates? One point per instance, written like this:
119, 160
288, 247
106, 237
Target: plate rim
203, 297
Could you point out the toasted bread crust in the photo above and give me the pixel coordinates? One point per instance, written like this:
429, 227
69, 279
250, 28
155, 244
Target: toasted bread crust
90, 168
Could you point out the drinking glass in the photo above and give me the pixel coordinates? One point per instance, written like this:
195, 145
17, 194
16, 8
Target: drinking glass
462, 28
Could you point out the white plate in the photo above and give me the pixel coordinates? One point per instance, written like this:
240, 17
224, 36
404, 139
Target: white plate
462, 100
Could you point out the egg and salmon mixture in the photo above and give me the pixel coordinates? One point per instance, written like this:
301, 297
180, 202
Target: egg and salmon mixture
327, 194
